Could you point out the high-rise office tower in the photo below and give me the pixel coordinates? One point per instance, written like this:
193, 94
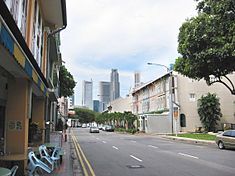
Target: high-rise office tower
137, 79
96, 105
104, 94
114, 85
87, 99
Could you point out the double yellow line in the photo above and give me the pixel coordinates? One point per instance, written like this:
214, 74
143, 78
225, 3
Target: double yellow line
82, 158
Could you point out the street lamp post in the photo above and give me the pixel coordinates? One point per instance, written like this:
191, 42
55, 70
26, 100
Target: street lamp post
170, 95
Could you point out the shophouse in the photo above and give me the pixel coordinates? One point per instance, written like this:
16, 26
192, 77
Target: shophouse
29, 63
163, 111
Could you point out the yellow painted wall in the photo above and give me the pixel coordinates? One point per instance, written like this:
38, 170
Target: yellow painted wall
17, 111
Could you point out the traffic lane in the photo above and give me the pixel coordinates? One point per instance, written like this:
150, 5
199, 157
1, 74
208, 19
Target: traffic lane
107, 160
178, 163
132, 140
206, 152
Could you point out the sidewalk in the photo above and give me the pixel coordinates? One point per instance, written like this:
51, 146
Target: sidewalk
70, 166
189, 140
183, 139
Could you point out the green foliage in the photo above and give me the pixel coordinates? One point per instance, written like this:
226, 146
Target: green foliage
67, 82
118, 119
198, 136
85, 115
209, 111
130, 130
207, 43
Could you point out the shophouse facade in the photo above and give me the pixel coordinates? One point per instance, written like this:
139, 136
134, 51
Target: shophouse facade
29, 64
152, 103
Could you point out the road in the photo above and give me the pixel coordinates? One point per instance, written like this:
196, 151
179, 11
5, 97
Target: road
113, 154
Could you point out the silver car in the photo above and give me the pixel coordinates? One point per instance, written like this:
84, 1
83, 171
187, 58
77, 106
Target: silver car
226, 139
94, 130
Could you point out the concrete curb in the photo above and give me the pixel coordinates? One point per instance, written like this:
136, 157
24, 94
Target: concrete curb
76, 166
191, 141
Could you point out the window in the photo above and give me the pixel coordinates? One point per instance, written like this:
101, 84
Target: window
233, 133
192, 97
37, 38
182, 120
227, 133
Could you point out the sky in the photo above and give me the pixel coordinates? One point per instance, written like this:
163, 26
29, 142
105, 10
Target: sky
121, 34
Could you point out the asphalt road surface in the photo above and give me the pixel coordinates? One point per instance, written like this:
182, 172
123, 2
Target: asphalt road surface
113, 154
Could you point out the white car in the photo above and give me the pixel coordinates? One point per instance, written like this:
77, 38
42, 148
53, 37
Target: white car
94, 130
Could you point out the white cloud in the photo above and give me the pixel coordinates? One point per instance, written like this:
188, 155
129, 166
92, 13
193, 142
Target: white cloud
101, 33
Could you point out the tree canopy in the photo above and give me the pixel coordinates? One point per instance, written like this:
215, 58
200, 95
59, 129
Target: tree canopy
67, 82
85, 115
207, 43
209, 111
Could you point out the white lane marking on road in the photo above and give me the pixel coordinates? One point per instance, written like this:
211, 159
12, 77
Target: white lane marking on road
97, 138
104, 142
133, 141
115, 147
152, 146
191, 156
136, 158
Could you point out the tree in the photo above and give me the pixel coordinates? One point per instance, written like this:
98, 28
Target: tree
130, 118
67, 82
209, 111
207, 43
85, 115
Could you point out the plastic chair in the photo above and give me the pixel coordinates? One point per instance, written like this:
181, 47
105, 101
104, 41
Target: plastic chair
14, 170
44, 155
56, 155
35, 163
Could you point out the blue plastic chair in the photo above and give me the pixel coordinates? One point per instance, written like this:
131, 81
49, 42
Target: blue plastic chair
35, 163
14, 170
45, 156
56, 155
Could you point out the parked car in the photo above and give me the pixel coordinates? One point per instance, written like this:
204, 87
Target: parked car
226, 139
94, 130
109, 128
84, 125
100, 127
104, 127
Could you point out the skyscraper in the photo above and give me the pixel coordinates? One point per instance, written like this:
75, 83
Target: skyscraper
104, 94
87, 98
96, 105
114, 85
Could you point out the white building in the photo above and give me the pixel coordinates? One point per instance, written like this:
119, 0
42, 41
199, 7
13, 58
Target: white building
87, 95
151, 103
121, 104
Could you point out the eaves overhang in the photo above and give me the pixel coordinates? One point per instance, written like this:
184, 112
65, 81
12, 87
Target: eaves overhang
54, 13
151, 82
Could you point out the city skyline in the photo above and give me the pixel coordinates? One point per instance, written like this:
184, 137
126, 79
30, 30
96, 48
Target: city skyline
125, 35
